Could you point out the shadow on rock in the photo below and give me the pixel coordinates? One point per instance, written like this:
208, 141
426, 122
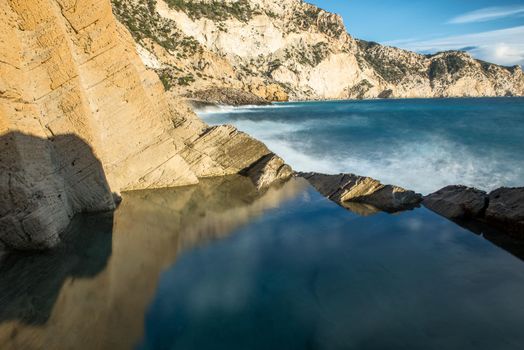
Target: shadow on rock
43, 184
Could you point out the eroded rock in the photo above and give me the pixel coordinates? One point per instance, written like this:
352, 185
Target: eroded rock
350, 188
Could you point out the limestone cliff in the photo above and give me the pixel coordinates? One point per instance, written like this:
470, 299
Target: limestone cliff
291, 49
81, 117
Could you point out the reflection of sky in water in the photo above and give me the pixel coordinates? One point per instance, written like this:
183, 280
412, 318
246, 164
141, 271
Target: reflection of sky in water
220, 265
311, 275
419, 144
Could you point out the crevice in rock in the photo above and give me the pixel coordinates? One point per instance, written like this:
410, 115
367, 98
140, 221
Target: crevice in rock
262, 160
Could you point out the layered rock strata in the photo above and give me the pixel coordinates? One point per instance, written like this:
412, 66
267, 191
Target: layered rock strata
363, 195
81, 117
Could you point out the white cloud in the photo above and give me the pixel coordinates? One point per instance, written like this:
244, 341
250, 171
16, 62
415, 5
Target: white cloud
504, 46
488, 14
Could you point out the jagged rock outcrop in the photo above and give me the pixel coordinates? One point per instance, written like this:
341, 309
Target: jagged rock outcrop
226, 96
223, 150
291, 49
502, 208
457, 202
81, 117
350, 189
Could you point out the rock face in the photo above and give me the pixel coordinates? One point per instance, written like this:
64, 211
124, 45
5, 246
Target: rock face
81, 117
503, 208
349, 188
43, 183
291, 49
457, 202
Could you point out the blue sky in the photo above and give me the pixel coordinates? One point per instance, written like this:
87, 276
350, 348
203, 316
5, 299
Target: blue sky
489, 30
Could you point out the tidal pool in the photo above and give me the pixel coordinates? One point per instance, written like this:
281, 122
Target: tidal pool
220, 266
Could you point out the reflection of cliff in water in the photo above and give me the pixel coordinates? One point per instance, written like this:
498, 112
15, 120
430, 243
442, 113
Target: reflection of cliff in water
30, 282
71, 301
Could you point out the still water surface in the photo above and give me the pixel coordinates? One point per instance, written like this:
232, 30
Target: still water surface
219, 266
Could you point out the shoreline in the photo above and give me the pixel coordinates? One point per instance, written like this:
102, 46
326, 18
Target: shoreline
401, 99
199, 104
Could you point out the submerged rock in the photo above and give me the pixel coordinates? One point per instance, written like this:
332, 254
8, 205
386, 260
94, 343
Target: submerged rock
506, 209
350, 188
455, 202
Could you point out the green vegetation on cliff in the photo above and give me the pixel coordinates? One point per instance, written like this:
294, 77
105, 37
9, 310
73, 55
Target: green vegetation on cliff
143, 22
216, 10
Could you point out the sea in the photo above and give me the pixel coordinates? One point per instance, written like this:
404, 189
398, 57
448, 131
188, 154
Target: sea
419, 144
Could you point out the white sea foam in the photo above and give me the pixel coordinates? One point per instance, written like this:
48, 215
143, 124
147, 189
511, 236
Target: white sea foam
222, 109
425, 165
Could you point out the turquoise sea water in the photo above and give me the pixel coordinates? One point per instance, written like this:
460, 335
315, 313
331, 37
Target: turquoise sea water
421, 144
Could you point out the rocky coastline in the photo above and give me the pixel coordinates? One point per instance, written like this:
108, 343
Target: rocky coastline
224, 96
501, 209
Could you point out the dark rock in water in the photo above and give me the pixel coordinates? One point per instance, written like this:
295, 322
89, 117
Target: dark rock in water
502, 208
386, 94
506, 209
225, 96
200, 104
454, 202
347, 189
